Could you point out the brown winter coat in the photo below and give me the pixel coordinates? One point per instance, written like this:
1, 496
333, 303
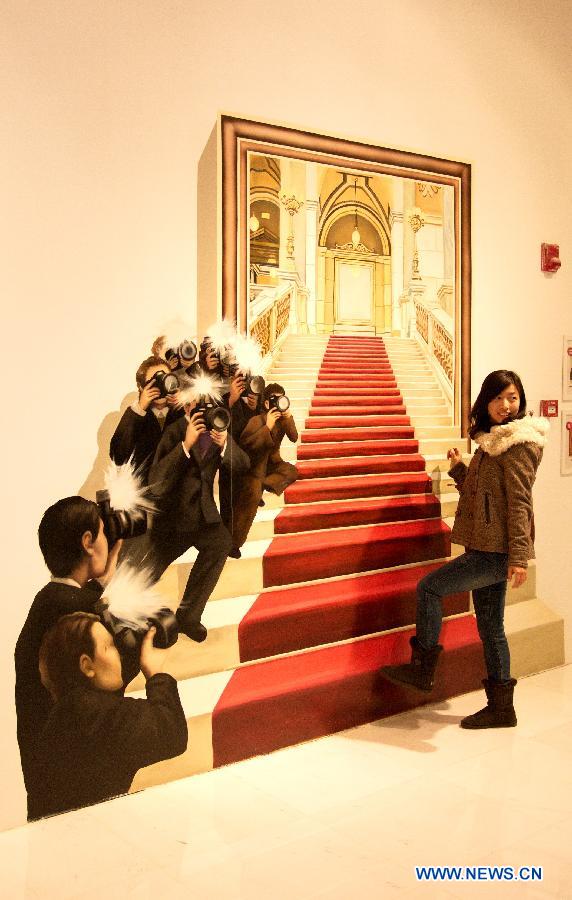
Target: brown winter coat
495, 507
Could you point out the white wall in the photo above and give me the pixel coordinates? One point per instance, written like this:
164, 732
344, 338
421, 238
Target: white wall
107, 107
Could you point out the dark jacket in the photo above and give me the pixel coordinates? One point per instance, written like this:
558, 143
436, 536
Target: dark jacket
495, 507
240, 414
138, 437
94, 742
183, 485
33, 703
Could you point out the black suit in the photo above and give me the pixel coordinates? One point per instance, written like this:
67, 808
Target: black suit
94, 742
138, 437
188, 515
33, 703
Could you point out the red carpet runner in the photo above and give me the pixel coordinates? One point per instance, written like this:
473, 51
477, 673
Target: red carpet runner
362, 503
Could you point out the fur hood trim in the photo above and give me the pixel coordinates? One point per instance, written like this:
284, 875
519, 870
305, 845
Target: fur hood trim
530, 430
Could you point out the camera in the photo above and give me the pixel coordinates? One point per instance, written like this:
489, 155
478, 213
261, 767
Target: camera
280, 402
128, 637
216, 418
224, 355
119, 523
166, 382
186, 352
253, 384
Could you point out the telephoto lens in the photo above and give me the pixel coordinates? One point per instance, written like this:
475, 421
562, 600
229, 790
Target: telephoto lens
280, 402
187, 352
128, 637
119, 523
167, 382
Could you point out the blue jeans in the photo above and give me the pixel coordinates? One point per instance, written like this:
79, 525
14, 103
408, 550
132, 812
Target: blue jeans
485, 574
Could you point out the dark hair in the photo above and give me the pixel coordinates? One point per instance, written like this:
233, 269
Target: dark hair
493, 385
61, 649
61, 531
273, 390
145, 366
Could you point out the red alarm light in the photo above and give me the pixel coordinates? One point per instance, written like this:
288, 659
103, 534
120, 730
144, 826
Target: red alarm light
550, 257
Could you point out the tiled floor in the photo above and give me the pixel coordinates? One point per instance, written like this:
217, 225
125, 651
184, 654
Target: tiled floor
348, 816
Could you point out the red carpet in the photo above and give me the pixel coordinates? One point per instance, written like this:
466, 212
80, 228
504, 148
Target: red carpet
284, 701
358, 486
388, 409
355, 392
283, 620
341, 399
316, 516
355, 448
360, 527
356, 421
324, 554
326, 379
357, 434
354, 465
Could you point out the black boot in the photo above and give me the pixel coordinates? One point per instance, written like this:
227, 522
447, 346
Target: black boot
420, 672
196, 631
499, 711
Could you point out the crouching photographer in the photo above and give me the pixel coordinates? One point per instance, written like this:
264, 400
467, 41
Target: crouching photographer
95, 739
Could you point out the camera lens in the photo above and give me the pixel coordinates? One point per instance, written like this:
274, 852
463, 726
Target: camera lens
256, 385
218, 419
170, 384
187, 351
282, 403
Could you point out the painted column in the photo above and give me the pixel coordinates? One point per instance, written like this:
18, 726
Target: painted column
396, 224
312, 213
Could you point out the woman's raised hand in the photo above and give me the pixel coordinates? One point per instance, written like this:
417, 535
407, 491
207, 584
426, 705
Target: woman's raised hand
454, 456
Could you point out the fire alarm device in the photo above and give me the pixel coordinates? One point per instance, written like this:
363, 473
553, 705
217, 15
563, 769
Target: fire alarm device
550, 257
549, 408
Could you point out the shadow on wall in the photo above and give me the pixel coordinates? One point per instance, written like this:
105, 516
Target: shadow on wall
95, 480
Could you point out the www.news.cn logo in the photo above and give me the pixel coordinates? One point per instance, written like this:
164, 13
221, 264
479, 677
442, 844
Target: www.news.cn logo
478, 873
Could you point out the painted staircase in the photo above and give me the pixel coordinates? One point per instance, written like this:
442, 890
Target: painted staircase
324, 593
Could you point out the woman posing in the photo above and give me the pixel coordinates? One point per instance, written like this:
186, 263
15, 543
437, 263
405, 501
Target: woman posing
495, 523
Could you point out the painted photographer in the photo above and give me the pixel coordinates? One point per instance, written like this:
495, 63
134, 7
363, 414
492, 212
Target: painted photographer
139, 431
75, 548
261, 437
191, 451
95, 739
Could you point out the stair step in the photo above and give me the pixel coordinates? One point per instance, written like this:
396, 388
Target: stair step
351, 379
355, 394
357, 434
358, 486
384, 407
283, 701
361, 421
283, 620
355, 448
346, 550
344, 513
340, 398
356, 465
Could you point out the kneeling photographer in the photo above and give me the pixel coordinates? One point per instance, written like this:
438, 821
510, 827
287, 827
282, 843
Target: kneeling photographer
191, 451
261, 437
95, 739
